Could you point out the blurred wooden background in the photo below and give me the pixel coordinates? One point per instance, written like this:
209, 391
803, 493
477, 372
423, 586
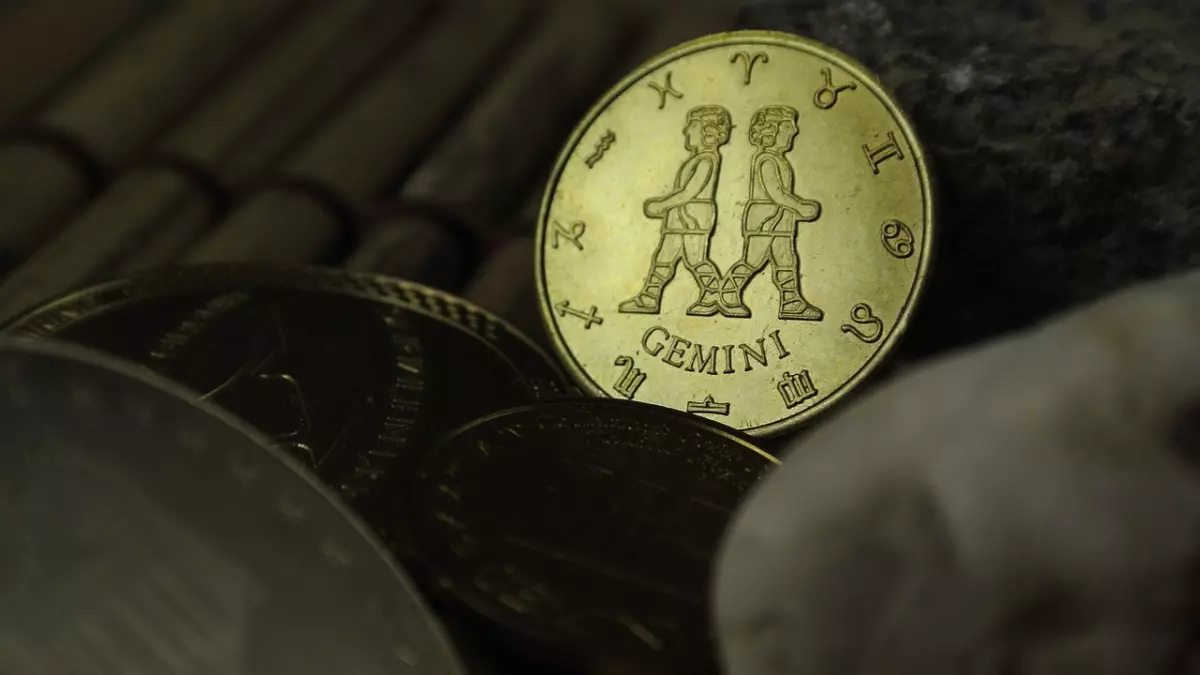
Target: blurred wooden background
411, 138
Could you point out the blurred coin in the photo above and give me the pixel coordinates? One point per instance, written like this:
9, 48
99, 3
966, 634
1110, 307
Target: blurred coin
586, 528
352, 373
146, 531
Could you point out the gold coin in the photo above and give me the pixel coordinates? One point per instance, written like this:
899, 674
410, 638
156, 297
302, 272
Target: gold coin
739, 229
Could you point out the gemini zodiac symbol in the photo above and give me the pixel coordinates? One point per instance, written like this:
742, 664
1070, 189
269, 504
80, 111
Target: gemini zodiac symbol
689, 215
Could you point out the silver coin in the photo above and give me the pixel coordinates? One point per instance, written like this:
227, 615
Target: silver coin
144, 531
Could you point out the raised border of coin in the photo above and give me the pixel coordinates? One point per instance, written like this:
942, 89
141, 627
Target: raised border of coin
45, 319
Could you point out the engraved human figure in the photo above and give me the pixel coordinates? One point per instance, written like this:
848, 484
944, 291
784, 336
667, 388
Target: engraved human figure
688, 214
769, 220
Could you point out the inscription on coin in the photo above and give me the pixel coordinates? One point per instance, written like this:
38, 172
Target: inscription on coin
696, 358
726, 232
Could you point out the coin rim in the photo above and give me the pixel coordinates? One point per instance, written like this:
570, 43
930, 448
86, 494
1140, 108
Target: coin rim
728, 432
754, 37
80, 354
22, 325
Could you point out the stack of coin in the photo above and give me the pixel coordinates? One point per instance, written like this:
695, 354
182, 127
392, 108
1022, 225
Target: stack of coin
400, 397
559, 512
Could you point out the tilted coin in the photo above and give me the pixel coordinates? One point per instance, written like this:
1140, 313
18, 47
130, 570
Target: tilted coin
352, 373
585, 527
148, 532
739, 229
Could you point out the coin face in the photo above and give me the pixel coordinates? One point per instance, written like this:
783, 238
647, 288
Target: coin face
587, 526
740, 229
146, 531
353, 374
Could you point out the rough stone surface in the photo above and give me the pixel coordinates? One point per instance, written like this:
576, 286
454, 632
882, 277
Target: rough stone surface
1063, 135
1027, 507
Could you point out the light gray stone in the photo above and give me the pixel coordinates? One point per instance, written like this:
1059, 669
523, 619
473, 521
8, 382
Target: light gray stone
1030, 506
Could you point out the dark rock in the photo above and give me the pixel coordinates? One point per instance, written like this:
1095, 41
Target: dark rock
1064, 136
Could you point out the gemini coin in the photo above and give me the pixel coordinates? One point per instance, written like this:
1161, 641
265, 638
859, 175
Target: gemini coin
740, 229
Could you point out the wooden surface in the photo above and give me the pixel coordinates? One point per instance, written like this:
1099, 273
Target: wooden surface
413, 139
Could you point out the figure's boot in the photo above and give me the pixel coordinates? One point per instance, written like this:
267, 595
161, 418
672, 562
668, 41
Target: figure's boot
648, 299
792, 304
709, 281
730, 298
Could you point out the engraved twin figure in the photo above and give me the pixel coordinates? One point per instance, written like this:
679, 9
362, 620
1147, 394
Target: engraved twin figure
689, 214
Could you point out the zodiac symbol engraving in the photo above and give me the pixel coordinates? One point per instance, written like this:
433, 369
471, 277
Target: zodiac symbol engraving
606, 141
709, 406
564, 308
796, 388
878, 155
665, 90
897, 239
631, 378
572, 235
863, 315
827, 96
748, 62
